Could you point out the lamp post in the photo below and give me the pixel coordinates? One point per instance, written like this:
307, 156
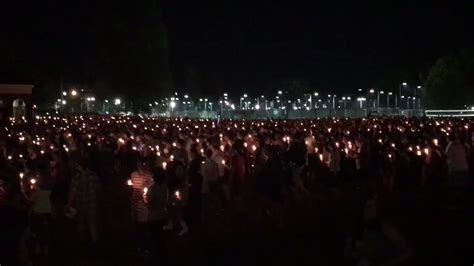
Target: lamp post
404, 84
172, 106
388, 99
378, 99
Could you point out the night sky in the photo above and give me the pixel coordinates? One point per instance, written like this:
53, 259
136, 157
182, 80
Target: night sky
333, 45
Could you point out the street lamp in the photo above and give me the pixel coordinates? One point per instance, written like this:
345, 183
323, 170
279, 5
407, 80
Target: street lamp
372, 91
280, 92
64, 93
117, 101
361, 100
378, 98
388, 99
74, 92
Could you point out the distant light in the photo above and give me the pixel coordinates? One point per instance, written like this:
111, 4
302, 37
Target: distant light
245, 95
73, 92
200, 100
280, 92
64, 93
173, 104
225, 94
404, 83
419, 87
344, 98
186, 96
63, 102
106, 101
329, 95
257, 107
372, 91
150, 104
361, 99
403, 97
359, 89
348, 98
382, 92
316, 94
117, 101
390, 93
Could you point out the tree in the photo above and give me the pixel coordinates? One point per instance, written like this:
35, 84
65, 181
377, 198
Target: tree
448, 83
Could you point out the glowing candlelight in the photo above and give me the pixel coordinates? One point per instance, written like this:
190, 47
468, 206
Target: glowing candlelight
222, 147
321, 157
174, 144
164, 165
21, 155
21, 175
178, 196
223, 162
9, 157
346, 150
389, 156
134, 148
121, 140
418, 153
245, 144
145, 190
42, 151
33, 181
171, 157
254, 148
129, 182
380, 140
427, 151
435, 142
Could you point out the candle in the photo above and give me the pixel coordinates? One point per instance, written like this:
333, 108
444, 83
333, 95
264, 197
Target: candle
346, 150
223, 162
427, 151
337, 144
21, 175
164, 165
418, 153
174, 144
435, 142
222, 147
129, 182
33, 181
245, 144
178, 196
145, 190
254, 148
321, 157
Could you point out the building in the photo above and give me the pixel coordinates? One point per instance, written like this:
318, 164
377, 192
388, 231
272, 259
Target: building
15, 100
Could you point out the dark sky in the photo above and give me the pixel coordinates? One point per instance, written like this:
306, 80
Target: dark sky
240, 45
337, 45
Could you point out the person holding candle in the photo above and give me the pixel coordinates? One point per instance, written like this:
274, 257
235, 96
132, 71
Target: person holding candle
195, 180
141, 180
210, 173
13, 227
177, 187
83, 195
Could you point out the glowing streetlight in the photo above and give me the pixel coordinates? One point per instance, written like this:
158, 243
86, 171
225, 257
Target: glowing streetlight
257, 107
117, 101
172, 105
63, 102
74, 92
372, 91
280, 92
64, 93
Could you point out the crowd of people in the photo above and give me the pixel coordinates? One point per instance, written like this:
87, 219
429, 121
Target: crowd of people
181, 173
